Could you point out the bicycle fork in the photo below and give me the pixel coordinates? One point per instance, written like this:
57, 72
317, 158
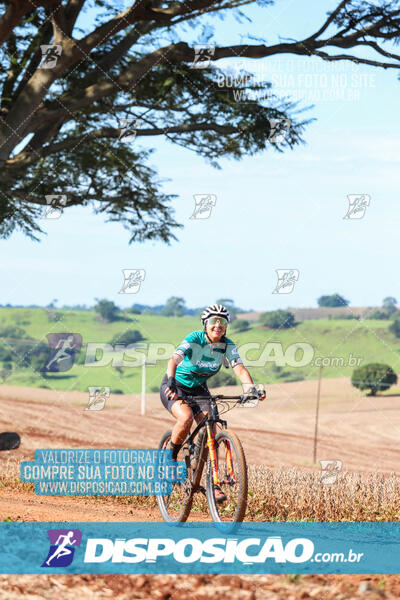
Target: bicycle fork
213, 454
229, 463
214, 458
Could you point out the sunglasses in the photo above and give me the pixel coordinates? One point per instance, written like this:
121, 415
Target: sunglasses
218, 320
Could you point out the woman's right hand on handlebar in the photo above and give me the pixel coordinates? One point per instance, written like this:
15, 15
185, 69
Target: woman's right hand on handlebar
171, 390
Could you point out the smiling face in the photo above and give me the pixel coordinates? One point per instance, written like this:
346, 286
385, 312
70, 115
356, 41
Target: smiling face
216, 328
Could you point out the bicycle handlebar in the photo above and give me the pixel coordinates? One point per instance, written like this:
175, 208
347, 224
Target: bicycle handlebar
242, 398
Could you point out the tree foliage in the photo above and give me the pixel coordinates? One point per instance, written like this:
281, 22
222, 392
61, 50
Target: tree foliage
375, 377
12, 331
107, 310
240, 325
130, 336
394, 327
64, 128
390, 304
333, 300
278, 319
380, 315
230, 305
174, 307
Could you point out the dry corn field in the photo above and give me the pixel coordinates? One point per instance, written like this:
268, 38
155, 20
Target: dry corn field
274, 495
293, 495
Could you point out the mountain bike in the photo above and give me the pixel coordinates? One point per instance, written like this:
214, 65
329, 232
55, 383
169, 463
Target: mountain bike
222, 455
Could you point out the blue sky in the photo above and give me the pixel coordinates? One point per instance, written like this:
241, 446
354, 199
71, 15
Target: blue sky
273, 211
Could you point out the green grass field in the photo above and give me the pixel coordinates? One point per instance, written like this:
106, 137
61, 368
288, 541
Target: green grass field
368, 341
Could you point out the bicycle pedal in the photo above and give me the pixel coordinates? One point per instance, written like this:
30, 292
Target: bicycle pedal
201, 489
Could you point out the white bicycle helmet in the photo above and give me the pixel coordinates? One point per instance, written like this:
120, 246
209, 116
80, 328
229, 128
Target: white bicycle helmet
215, 310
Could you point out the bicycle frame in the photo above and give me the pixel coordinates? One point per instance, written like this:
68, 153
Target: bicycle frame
209, 421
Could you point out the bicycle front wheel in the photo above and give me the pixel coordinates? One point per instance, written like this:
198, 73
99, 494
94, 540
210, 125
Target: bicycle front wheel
175, 507
232, 473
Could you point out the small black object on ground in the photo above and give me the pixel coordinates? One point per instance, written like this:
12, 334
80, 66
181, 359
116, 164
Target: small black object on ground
9, 440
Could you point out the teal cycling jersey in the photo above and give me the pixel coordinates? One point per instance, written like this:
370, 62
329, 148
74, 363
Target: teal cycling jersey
202, 359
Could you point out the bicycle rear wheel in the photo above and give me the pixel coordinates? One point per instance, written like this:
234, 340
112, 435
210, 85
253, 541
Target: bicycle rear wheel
232, 472
175, 507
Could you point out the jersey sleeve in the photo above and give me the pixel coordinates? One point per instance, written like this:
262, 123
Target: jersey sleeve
232, 354
184, 348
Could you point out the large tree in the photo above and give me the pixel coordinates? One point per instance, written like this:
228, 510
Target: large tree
62, 118
333, 300
174, 306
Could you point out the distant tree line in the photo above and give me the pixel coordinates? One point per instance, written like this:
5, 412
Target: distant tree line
175, 306
51, 305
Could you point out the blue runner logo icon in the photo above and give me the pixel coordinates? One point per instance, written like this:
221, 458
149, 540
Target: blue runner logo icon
61, 551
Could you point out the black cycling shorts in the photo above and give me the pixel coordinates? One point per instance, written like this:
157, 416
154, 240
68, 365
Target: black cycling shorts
184, 392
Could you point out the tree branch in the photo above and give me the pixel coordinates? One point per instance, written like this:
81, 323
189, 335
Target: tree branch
126, 81
72, 199
59, 24
330, 19
355, 59
16, 10
137, 12
141, 11
45, 134
123, 47
26, 158
349, 41
43, 37
188, 16
72, 12
380, 50
9, 82
12, 16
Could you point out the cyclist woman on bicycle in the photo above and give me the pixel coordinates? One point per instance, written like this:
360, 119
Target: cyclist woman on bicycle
197, 358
